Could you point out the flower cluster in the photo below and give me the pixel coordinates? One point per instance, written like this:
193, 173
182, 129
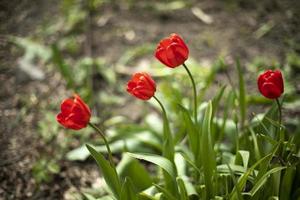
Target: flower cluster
199, 137
172, 52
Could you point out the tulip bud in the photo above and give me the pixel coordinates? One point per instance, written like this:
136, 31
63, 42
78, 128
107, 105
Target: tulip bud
141, 86
172, 51
270, 84
75, 114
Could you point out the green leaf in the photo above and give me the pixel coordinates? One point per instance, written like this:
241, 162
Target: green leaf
239, 194
143, 196
242, 93
229, 104
64, 69
190, 162
168, 146
242, 181
128, 167
128, 192
244, 157
89, 196
263, 179
287, 182
264, 126
107, 197
217, 98
183, 192
263, 168
236, 169
168, 167
109, 172
166, 193
255, 143
160, 161
191, 130
207, 152
168, 152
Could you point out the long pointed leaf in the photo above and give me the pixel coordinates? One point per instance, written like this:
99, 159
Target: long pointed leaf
166, 193
160, 161
128, 192
207, 152
243, 180
191, 130
263, 179
242, 93
109, 172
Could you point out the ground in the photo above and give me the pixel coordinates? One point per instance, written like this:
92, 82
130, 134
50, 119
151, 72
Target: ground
234, 29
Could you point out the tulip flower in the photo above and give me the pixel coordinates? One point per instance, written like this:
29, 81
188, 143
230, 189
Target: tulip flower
270, 84
75, 114
141, 86
172, 51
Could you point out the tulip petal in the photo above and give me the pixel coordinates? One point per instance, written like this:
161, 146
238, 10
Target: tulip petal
270, 90
80, 102
66, 105
162, 57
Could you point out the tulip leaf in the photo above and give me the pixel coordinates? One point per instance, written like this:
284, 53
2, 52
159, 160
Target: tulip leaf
128, 167
287, 181
242, 157
168, 146
128, 192
160, 161
168, 152
207, 152
242, 93
109, 172
229, 104
191, 130
263, 179
143, 196
165, 192
242, 181
183, 192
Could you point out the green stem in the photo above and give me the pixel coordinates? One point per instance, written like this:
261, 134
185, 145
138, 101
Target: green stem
161, 105
281, 134
167, 134
98, 130
194, 90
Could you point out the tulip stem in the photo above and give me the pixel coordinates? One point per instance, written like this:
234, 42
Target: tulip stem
280, 119
98, 130
161, 105
194, 90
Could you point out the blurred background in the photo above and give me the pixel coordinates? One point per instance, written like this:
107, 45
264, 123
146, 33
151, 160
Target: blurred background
51, 49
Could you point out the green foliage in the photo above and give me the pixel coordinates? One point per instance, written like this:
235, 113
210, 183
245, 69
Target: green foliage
197, 160
44, 169
225, 155
109, 172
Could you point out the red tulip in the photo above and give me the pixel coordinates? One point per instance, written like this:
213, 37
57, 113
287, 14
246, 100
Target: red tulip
270, 84
172, 51
75, 114
141, 86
